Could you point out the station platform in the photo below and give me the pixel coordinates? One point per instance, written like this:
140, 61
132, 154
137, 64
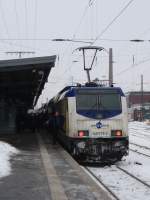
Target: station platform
42, 171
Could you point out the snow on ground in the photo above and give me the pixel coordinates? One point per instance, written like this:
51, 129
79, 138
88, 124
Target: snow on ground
6, 151
125, 187
137, 165
139, 133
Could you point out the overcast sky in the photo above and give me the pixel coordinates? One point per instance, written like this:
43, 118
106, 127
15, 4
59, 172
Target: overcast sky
30, 25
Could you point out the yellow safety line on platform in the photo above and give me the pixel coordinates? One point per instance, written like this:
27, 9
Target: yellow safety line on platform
57, 191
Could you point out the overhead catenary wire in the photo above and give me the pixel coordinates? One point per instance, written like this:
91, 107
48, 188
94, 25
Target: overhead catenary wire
133, 65
4, 19
15, 44
145, 32
35, 21
112, 21
26, 18
90, 2
92, 16
17, 18
84, 40
8, 40
88, 5
22, 45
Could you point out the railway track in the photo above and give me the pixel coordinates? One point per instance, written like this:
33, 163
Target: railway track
101, 183
139, 153
135, 177
144, 147
140, 136
138, 133
140, 149
115, 187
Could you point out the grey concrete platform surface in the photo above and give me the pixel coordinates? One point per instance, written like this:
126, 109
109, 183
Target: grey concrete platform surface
42, 171
28, 180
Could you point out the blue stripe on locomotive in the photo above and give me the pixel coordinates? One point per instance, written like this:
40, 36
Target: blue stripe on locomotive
72, 90
99, 114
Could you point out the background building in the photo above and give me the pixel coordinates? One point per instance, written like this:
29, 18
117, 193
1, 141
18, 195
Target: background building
138, 105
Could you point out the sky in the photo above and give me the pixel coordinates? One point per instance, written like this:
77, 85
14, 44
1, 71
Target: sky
31, 25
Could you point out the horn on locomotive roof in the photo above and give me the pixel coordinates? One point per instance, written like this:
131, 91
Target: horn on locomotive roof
95, 49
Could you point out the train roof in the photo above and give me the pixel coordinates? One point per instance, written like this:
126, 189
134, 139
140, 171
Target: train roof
70, 91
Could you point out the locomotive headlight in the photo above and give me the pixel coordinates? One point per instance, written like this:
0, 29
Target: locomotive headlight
83, 133
116, 133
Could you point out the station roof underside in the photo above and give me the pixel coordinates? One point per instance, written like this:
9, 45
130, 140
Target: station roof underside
23, 79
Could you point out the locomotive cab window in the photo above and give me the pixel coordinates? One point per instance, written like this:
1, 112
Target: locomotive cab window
100, 100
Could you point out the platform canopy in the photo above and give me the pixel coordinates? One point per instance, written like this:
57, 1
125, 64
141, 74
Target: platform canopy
22, 80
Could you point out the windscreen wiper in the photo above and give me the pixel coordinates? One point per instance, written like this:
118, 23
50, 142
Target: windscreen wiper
100, 103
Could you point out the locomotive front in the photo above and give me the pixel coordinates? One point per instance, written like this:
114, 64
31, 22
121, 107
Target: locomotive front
98, 124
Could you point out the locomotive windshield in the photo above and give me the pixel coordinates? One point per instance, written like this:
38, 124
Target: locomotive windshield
98, 100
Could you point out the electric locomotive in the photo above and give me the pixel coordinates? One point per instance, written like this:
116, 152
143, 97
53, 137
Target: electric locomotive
95, 125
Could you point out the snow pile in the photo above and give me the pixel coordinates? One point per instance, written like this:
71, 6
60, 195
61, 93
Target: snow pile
6, 151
